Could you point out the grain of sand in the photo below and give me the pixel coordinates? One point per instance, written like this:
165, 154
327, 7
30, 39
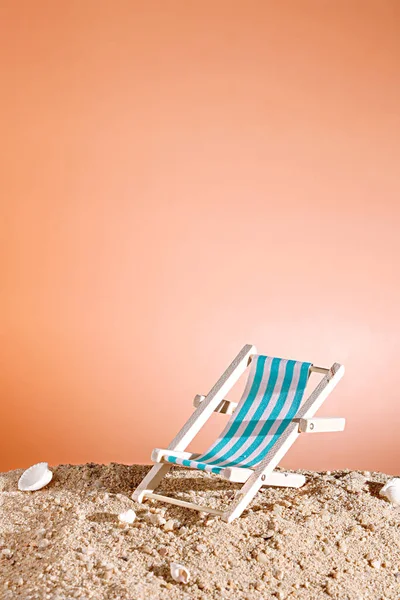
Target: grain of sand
333, 538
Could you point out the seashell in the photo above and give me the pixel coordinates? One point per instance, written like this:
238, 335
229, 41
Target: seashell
127, 517
179, 573
391, 491
35, 478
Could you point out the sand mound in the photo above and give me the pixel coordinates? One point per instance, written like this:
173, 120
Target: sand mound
333, 538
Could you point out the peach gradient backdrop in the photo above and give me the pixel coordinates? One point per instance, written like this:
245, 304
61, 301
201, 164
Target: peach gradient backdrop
179, 178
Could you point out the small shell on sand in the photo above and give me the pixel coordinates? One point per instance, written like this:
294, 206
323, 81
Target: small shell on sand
179, 573
35, 478
391, 491
127, 517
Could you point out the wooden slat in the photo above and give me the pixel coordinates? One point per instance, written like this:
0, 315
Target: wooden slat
177, 502
321, 370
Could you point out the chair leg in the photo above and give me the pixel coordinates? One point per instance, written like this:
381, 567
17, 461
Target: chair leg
151, 481
244, 497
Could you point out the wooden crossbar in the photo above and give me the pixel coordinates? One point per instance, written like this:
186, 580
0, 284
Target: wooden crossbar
171, 500
321, 370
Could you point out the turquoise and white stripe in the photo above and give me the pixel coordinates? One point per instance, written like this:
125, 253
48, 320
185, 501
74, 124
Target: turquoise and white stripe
270, 401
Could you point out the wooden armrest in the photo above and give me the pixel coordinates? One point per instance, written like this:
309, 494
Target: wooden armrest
225, 406
321, 424
158, 454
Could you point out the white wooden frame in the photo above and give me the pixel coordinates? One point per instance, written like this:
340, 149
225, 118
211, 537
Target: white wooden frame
263, 473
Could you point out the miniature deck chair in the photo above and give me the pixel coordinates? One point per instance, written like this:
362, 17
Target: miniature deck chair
261, 429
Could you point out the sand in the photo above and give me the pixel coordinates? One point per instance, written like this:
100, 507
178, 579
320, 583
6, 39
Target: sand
333, 538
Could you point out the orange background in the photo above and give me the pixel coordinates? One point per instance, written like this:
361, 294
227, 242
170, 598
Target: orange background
179, 178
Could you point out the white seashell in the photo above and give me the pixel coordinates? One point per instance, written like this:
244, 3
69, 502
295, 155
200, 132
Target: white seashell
127, 517
391, 491
35, 478
179, 573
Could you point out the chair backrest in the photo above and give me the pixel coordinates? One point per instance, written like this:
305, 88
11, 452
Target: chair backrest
271, 399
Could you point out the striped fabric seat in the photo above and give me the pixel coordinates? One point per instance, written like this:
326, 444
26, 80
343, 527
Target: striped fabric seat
270, 401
